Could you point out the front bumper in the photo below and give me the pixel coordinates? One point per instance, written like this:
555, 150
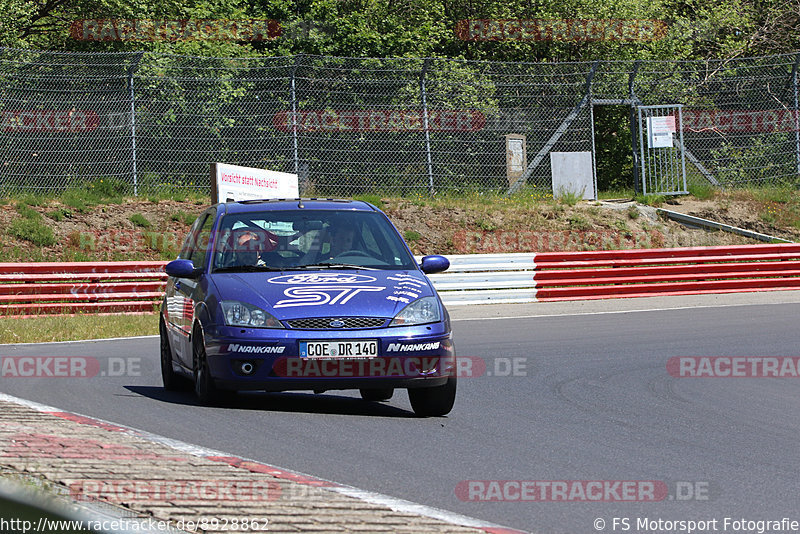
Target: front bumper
269, 360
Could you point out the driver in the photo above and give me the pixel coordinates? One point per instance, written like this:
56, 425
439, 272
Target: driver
338, 237
342, 240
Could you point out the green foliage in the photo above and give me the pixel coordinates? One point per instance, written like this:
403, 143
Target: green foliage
578, 222
375, 200
417, 28
702, 191
27, 212
754, 162
34, 200
651, 200
770, 215
613, 152
33, 230
183, 217
75, 200
779, 194
622, 226
412, 236
486, 225
139, 220
569, 198
59, 214
108, 189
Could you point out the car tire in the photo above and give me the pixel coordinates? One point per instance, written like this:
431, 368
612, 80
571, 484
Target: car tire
172, 381
377, 394
435, 401
204, 386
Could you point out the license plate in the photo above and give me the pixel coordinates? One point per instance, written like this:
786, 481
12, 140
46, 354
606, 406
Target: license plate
367, 348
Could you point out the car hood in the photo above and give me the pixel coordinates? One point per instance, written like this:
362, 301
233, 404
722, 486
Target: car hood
289, 295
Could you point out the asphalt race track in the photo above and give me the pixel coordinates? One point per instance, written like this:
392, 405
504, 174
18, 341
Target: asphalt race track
590, 399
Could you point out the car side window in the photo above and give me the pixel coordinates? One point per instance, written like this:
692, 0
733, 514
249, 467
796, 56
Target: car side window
191, 239
200, 245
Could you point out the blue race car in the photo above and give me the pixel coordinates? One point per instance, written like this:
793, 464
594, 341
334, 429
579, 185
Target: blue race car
305, 294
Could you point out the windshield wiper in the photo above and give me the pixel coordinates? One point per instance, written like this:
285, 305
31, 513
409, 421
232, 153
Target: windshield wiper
248, 269
333, 266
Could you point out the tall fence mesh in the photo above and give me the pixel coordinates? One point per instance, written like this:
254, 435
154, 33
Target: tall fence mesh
354, 125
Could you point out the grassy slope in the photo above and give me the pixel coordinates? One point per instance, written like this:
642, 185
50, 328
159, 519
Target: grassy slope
94, 225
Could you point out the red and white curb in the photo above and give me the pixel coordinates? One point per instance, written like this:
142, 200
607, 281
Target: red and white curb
398, 505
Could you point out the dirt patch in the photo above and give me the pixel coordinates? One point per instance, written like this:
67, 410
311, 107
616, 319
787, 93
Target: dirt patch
748, 214
103, 233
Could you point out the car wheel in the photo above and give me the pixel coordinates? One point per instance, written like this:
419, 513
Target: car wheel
172, 380
377, 394
204, 386
433, 401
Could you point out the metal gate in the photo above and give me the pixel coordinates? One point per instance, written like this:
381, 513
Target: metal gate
662, 158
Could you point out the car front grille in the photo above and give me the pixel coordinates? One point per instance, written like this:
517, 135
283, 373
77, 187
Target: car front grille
350, 323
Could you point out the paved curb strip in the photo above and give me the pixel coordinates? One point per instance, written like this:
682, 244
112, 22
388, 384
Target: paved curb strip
171, 480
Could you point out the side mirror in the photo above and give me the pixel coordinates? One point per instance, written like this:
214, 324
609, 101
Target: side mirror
182, 269
434, 264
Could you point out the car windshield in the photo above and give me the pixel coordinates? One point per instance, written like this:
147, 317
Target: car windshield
308, 239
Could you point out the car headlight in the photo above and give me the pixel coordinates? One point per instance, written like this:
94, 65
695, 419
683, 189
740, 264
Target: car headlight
243, 314
421, 311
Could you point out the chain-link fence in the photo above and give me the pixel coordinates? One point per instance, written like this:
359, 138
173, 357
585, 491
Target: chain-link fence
354, 125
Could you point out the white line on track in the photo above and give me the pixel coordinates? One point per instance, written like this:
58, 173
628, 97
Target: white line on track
79, 341
610, 312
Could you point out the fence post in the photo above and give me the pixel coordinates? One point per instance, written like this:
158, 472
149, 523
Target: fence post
132, 95
424, 94
634, 124
294, 115
796, 118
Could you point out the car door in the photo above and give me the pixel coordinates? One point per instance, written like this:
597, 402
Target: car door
186, 293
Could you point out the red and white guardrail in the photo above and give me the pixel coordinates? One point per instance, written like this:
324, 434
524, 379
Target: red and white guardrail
81, 287
546, 276
137, 287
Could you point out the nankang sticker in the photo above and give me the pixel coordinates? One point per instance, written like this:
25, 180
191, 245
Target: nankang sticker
407, 280
254, 349
400, 347
321, 278
321, 295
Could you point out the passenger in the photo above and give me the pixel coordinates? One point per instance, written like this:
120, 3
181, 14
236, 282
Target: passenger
251, 245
